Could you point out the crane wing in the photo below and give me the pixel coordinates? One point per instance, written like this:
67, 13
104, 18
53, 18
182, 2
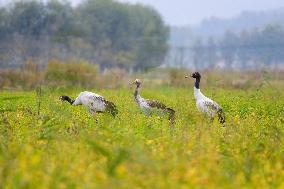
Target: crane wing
156, 104
211, 105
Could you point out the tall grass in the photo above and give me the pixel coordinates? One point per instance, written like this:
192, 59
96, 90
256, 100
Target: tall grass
70, 73
84, 74
65, 147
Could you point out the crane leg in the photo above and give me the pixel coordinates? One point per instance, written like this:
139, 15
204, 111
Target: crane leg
94, 113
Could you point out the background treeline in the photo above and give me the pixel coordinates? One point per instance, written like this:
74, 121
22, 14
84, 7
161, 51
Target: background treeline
249, 49
104, 32
250, 40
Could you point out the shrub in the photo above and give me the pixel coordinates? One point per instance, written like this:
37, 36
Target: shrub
71, 73
26, 78
112, 78
177, 77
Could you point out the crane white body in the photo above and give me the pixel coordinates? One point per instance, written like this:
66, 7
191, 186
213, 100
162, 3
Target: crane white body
144, 106
150, 106
205, 104
92, 101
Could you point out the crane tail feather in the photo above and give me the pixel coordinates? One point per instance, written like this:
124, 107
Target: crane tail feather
221, 116
171, 114
111, 108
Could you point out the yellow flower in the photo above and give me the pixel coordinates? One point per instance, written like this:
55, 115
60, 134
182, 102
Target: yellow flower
149, 142
120, 169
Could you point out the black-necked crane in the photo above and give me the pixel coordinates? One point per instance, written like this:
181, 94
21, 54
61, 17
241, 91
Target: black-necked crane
93, 102
150, 106
205, 104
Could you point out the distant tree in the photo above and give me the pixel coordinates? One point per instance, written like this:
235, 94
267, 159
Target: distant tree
116, 29
244, 52
271, 44
28, 18
62, 21
264, 46
4, 24
179, 57
107, 32
228, 48
198, 54
211, 52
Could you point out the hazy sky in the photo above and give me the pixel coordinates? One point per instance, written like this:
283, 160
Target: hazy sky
184, 12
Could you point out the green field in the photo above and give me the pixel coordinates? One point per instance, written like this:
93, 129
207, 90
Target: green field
65, 147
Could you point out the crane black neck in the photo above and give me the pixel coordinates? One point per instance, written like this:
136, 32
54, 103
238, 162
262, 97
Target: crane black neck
136, 90
196, 84
68, 99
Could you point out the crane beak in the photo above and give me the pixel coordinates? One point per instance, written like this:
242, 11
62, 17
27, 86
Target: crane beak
61, 99
130, 84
